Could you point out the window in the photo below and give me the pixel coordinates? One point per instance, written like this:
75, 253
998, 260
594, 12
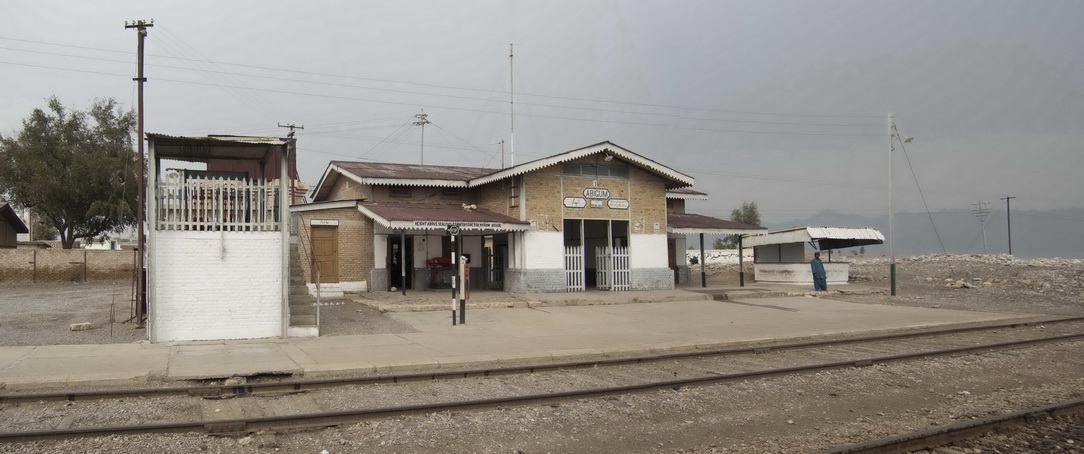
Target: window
451, 194
595, 170
399, 191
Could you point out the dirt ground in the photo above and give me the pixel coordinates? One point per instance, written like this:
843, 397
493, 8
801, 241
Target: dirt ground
41, 314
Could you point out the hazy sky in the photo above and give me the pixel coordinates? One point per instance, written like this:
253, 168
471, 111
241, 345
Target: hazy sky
778, 102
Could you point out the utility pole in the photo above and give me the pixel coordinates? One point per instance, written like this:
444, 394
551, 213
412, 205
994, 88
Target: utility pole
502, 153
423, 119
511, 107
293, 178
981, 210
292, 128
1008, 219
891, 208
141, 27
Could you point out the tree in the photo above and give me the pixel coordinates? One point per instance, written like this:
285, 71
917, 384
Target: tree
75, 169
747, 214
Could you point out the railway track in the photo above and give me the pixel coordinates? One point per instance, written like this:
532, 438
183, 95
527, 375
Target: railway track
744, 364
966, 430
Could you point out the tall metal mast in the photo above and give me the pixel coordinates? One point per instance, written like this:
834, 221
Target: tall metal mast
511, 107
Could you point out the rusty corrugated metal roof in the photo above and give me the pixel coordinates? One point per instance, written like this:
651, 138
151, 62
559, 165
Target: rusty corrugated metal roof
696, 223
213, 147
411, 171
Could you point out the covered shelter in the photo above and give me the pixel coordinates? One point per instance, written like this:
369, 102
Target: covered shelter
696, 224
780, 256
218, 239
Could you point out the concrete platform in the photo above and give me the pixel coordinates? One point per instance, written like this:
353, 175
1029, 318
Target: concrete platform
490, 337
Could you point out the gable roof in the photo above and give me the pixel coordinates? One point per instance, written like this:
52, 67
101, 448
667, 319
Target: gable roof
379, 173
7, 213
675, 179
469, 177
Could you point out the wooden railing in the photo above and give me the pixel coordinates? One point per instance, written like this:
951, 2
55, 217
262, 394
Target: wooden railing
218, 205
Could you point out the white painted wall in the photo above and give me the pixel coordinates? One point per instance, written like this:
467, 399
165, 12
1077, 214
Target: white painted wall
543, 250
800, 273
648, 251
216, 285
380, 251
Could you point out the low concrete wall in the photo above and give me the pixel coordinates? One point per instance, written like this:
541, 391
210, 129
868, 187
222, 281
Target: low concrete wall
800, 273
56, 265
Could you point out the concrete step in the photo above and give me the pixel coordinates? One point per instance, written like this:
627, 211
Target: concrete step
302, 320
302, 309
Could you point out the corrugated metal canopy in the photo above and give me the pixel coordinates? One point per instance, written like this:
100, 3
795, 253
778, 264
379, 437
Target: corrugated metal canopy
438, 216
213, 147
825, 237
686, 194
688, 223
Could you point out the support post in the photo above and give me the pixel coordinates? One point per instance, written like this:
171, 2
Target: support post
1008, 219
741, 264
703, 274
461, 271
455, 277
402, 261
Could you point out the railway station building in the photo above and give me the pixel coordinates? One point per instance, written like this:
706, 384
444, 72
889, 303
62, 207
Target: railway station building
598, 217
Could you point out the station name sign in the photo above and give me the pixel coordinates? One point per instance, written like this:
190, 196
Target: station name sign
446, 224
596, 193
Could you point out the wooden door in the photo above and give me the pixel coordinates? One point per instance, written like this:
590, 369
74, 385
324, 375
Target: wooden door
325, 251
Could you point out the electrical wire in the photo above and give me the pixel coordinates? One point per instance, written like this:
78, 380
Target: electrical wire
899, 139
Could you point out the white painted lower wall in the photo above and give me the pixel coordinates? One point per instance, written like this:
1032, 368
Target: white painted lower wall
216, 285
648, 251
800, 273
544, 250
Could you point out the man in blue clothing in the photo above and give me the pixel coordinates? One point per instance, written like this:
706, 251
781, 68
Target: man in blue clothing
820, 278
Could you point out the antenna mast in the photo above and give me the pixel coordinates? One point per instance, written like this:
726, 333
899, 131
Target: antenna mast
511, 107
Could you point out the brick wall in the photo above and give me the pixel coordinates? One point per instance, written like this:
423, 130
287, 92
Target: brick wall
647, 202
496, 197
53, 265
421, 194
355, 237
347, 189
216, 285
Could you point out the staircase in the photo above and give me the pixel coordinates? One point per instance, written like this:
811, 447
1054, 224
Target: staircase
302, 304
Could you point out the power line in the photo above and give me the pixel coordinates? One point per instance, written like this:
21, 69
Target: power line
566, 98
464, 109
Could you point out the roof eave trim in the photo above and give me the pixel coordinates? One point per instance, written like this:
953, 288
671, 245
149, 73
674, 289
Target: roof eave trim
327, 205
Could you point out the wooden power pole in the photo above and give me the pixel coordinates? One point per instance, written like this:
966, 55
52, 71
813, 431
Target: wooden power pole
141, 276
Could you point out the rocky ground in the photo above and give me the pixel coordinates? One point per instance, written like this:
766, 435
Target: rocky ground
999, 283
792, 414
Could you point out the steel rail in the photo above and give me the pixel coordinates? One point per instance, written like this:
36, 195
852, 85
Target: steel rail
333, 418
965, 430
300, 385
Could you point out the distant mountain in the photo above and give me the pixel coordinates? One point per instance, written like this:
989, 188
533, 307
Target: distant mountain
1050, 233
